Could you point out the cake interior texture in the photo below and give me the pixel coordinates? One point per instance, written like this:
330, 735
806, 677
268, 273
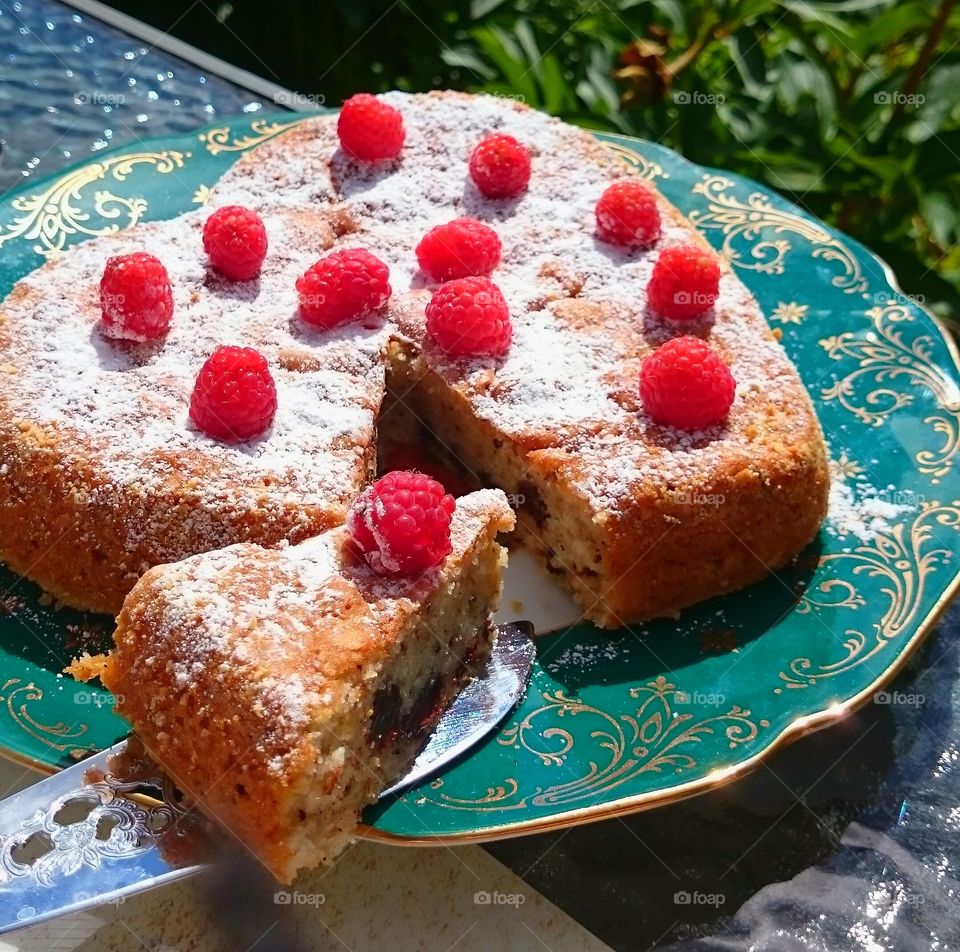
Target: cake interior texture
289, 686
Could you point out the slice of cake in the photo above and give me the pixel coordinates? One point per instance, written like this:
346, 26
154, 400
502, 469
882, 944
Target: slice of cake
285, 688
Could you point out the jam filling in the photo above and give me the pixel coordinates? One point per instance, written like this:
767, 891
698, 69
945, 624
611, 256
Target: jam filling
392, 723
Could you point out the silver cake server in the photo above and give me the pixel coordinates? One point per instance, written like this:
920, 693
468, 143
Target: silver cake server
113, 825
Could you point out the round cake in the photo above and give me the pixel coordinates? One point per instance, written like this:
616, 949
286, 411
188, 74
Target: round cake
104, 475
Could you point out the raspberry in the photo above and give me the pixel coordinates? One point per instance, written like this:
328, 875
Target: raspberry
369, 129
402, 523
459, 249
236, 241
234, 398
136, 301
342, 286
685, 384
627, 214
468, 317
684, 283
500, 166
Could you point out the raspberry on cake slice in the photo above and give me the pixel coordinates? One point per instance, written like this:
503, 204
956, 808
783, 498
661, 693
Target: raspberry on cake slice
468, 317
459, 249
685, 282
500, 166
285, 688
402, 523
627, 214
342, 286
686, 384
235, 397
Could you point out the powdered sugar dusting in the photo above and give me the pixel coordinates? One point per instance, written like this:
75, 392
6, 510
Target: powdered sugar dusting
578, 305
570, 379
860, 511
586, 654
79, 381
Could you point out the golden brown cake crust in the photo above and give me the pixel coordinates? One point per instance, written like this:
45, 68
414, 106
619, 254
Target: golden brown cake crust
228, 663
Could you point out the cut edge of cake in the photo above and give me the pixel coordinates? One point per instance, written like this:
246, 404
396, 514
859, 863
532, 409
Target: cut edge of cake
289, 686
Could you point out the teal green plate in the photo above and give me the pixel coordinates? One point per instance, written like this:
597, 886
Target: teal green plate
610, 722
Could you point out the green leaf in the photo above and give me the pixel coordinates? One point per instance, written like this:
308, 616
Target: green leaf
480, 8
673, 11
817, 14
499, 47
747, 11
850, 6
937, 101
746, 50
941, 214
595, 93
889, 26
528, 43
466, 58
554, 85
797, 180
855, 6
803, 79
886, 169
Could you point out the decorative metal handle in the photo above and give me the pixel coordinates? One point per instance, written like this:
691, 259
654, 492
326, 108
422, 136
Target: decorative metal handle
114, 806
